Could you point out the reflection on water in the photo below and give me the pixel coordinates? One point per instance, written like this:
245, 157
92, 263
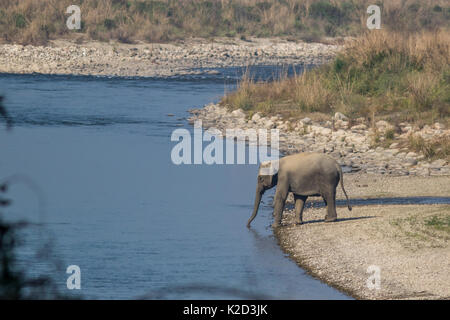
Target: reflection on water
136, 224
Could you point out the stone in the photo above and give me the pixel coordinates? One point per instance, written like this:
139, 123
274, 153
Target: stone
238, 113
256, 117
410, 161
306, 120
269, 124
325, 131
438, 163
393, 145
391, 152
359, 127
381, 124
438, 126
340, 116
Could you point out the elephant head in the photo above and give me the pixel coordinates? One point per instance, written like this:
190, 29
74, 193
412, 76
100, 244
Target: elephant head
267, 179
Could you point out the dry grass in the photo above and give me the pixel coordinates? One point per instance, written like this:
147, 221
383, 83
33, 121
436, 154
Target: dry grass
397, 76
434, 149
35, 22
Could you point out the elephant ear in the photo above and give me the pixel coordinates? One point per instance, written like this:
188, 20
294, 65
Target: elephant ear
269, 168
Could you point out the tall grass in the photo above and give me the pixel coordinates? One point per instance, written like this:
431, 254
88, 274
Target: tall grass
35, 22
396, 75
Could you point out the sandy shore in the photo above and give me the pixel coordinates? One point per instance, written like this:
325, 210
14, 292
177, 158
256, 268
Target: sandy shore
409, 243
158, 60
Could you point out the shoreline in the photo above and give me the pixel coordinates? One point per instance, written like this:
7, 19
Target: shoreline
352, 147
64, 57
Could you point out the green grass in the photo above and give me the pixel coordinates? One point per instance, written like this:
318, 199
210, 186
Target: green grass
441, 223
430, 229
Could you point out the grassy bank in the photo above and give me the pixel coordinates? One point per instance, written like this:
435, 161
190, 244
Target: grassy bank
35, 22
397, 76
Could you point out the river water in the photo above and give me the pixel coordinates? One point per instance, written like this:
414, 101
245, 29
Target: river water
91, 162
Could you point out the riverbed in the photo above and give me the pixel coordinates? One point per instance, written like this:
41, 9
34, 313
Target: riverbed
90, 159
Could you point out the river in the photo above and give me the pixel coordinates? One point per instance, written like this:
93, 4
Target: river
91, 157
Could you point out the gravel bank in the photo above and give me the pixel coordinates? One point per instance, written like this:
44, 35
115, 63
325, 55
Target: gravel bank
352, 146
411, 252
157, 60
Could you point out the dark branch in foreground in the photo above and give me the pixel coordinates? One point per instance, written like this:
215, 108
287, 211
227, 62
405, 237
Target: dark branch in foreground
5, 115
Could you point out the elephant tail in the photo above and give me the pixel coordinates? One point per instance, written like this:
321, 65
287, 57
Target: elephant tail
341, 178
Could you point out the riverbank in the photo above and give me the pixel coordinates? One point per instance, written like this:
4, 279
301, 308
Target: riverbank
376, 150
409, 243
158, 60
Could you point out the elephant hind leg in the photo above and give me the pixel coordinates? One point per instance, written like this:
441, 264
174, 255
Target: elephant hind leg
330, 201
299, 206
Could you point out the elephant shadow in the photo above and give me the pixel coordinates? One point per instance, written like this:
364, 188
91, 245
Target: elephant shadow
339, 219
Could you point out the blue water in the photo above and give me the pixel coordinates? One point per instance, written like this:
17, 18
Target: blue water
91, 162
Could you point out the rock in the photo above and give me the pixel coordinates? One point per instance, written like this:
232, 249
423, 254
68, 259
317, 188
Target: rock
410, 161
256, 117
382, 124
411, 155
393, 145
340, 116
269, 124
406, 129
391, 152
438, 163
306, 120
438, 126
238, 113
348, 150
359, 127
325, 131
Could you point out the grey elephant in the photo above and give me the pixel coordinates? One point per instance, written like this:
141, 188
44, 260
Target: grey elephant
304, 174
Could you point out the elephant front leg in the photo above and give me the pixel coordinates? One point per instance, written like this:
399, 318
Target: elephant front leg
299, 206
279, 200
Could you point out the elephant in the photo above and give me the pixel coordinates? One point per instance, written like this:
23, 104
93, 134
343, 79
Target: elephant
304, 174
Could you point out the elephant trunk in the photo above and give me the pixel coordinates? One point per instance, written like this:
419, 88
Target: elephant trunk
258, 196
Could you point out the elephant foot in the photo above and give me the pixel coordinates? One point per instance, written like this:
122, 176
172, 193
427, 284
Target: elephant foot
330, 219
298, 223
